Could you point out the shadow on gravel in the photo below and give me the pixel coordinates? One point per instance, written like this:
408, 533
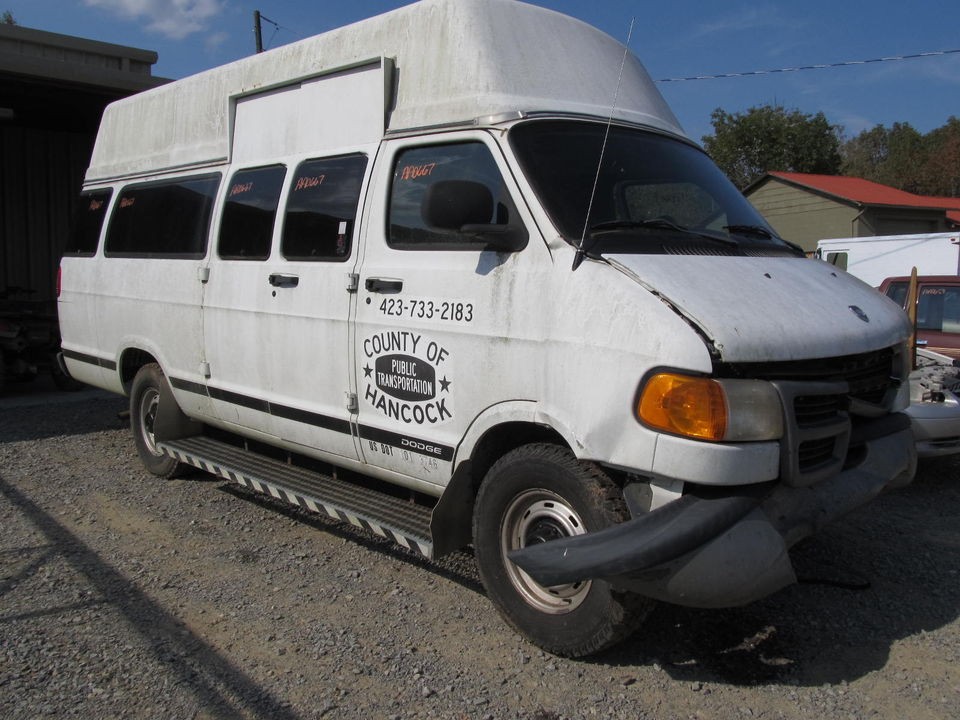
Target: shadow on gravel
887, 572
458, 567
64, 415
222, 689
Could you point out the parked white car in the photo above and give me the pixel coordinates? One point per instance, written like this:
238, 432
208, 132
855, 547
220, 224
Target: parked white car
934, 407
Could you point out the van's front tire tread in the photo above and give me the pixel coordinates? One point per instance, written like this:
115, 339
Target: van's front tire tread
544, 475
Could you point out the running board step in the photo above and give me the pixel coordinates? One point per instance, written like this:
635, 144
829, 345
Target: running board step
403, 522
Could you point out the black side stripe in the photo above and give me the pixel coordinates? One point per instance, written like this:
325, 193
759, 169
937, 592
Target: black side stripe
364, 432
90, 359
310, 418
188, 386
238, 399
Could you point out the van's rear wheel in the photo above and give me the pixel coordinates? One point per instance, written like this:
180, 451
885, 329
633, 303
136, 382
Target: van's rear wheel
535, 494
145, 399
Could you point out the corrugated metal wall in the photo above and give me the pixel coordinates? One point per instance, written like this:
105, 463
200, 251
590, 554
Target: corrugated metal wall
41, 172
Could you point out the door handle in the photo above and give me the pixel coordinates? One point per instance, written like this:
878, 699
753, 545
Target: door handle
383, 285
284, 281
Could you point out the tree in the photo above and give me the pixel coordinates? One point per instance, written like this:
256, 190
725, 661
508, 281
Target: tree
865, 154
747, 145
905, 159
7, 18
943, 159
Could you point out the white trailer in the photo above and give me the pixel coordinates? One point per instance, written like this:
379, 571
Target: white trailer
874, 259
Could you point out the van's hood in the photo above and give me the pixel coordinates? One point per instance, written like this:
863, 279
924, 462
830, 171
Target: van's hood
767, 308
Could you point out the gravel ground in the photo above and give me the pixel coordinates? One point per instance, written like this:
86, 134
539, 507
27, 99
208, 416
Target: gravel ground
130, 597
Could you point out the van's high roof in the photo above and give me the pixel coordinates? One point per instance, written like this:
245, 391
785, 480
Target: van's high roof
444, 62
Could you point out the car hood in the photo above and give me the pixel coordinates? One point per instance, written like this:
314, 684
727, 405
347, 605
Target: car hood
755, 309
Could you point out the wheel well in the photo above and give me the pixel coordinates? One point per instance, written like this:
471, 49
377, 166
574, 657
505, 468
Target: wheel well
130, 363
500, 440
452, 523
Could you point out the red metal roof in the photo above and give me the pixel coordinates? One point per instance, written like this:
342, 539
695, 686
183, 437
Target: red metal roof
866, 192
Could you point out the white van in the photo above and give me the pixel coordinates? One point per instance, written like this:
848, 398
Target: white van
455, 274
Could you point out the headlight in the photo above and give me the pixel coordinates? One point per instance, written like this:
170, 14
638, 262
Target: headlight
707, 409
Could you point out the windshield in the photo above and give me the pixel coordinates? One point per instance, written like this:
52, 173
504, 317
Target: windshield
654, 194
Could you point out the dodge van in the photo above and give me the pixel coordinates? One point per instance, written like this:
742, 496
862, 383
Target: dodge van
456, 275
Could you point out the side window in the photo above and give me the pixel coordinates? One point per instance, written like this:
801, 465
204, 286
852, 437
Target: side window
322, 208
165, 219
838, 259
444, 197
87, 223
898, 293
246, 228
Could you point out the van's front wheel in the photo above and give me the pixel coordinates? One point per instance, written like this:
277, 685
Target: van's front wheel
535, 494
144, 405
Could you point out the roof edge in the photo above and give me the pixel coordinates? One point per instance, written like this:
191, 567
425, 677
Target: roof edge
70, 42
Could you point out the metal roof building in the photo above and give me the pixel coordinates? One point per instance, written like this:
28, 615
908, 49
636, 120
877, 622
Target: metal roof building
805, 208
53, 89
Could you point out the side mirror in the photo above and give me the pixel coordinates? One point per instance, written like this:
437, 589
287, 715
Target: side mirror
467, 208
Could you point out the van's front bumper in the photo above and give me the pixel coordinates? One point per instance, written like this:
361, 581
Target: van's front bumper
723, 547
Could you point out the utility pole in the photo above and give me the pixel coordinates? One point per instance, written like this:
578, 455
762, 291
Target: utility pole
257, 31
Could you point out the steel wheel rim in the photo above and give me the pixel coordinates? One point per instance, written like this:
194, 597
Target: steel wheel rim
149, 404
533, 517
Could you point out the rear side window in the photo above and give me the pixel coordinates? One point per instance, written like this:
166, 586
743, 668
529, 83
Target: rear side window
837, 259
87, 223
322, 208
246, 229
165, 219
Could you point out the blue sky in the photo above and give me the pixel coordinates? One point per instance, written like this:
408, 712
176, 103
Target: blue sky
677, 38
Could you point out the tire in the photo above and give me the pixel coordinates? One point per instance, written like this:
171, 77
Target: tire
145, 394
537, 493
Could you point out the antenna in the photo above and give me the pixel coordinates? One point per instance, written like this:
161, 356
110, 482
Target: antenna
578, 258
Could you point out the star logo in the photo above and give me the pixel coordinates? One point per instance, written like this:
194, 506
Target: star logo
444, 384
367, 370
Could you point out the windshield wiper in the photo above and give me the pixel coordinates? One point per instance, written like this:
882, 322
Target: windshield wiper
757, 230
760, 231
662, 224
657, 223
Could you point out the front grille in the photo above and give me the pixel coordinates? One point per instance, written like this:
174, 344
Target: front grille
869, 375
819, 397
814, 454
813, 409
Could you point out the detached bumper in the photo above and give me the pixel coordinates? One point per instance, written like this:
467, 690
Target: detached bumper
713, 550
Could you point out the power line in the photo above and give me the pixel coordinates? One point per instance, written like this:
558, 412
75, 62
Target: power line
277, 27
822, 66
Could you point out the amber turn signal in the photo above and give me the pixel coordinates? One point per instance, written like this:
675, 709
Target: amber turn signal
683, 405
